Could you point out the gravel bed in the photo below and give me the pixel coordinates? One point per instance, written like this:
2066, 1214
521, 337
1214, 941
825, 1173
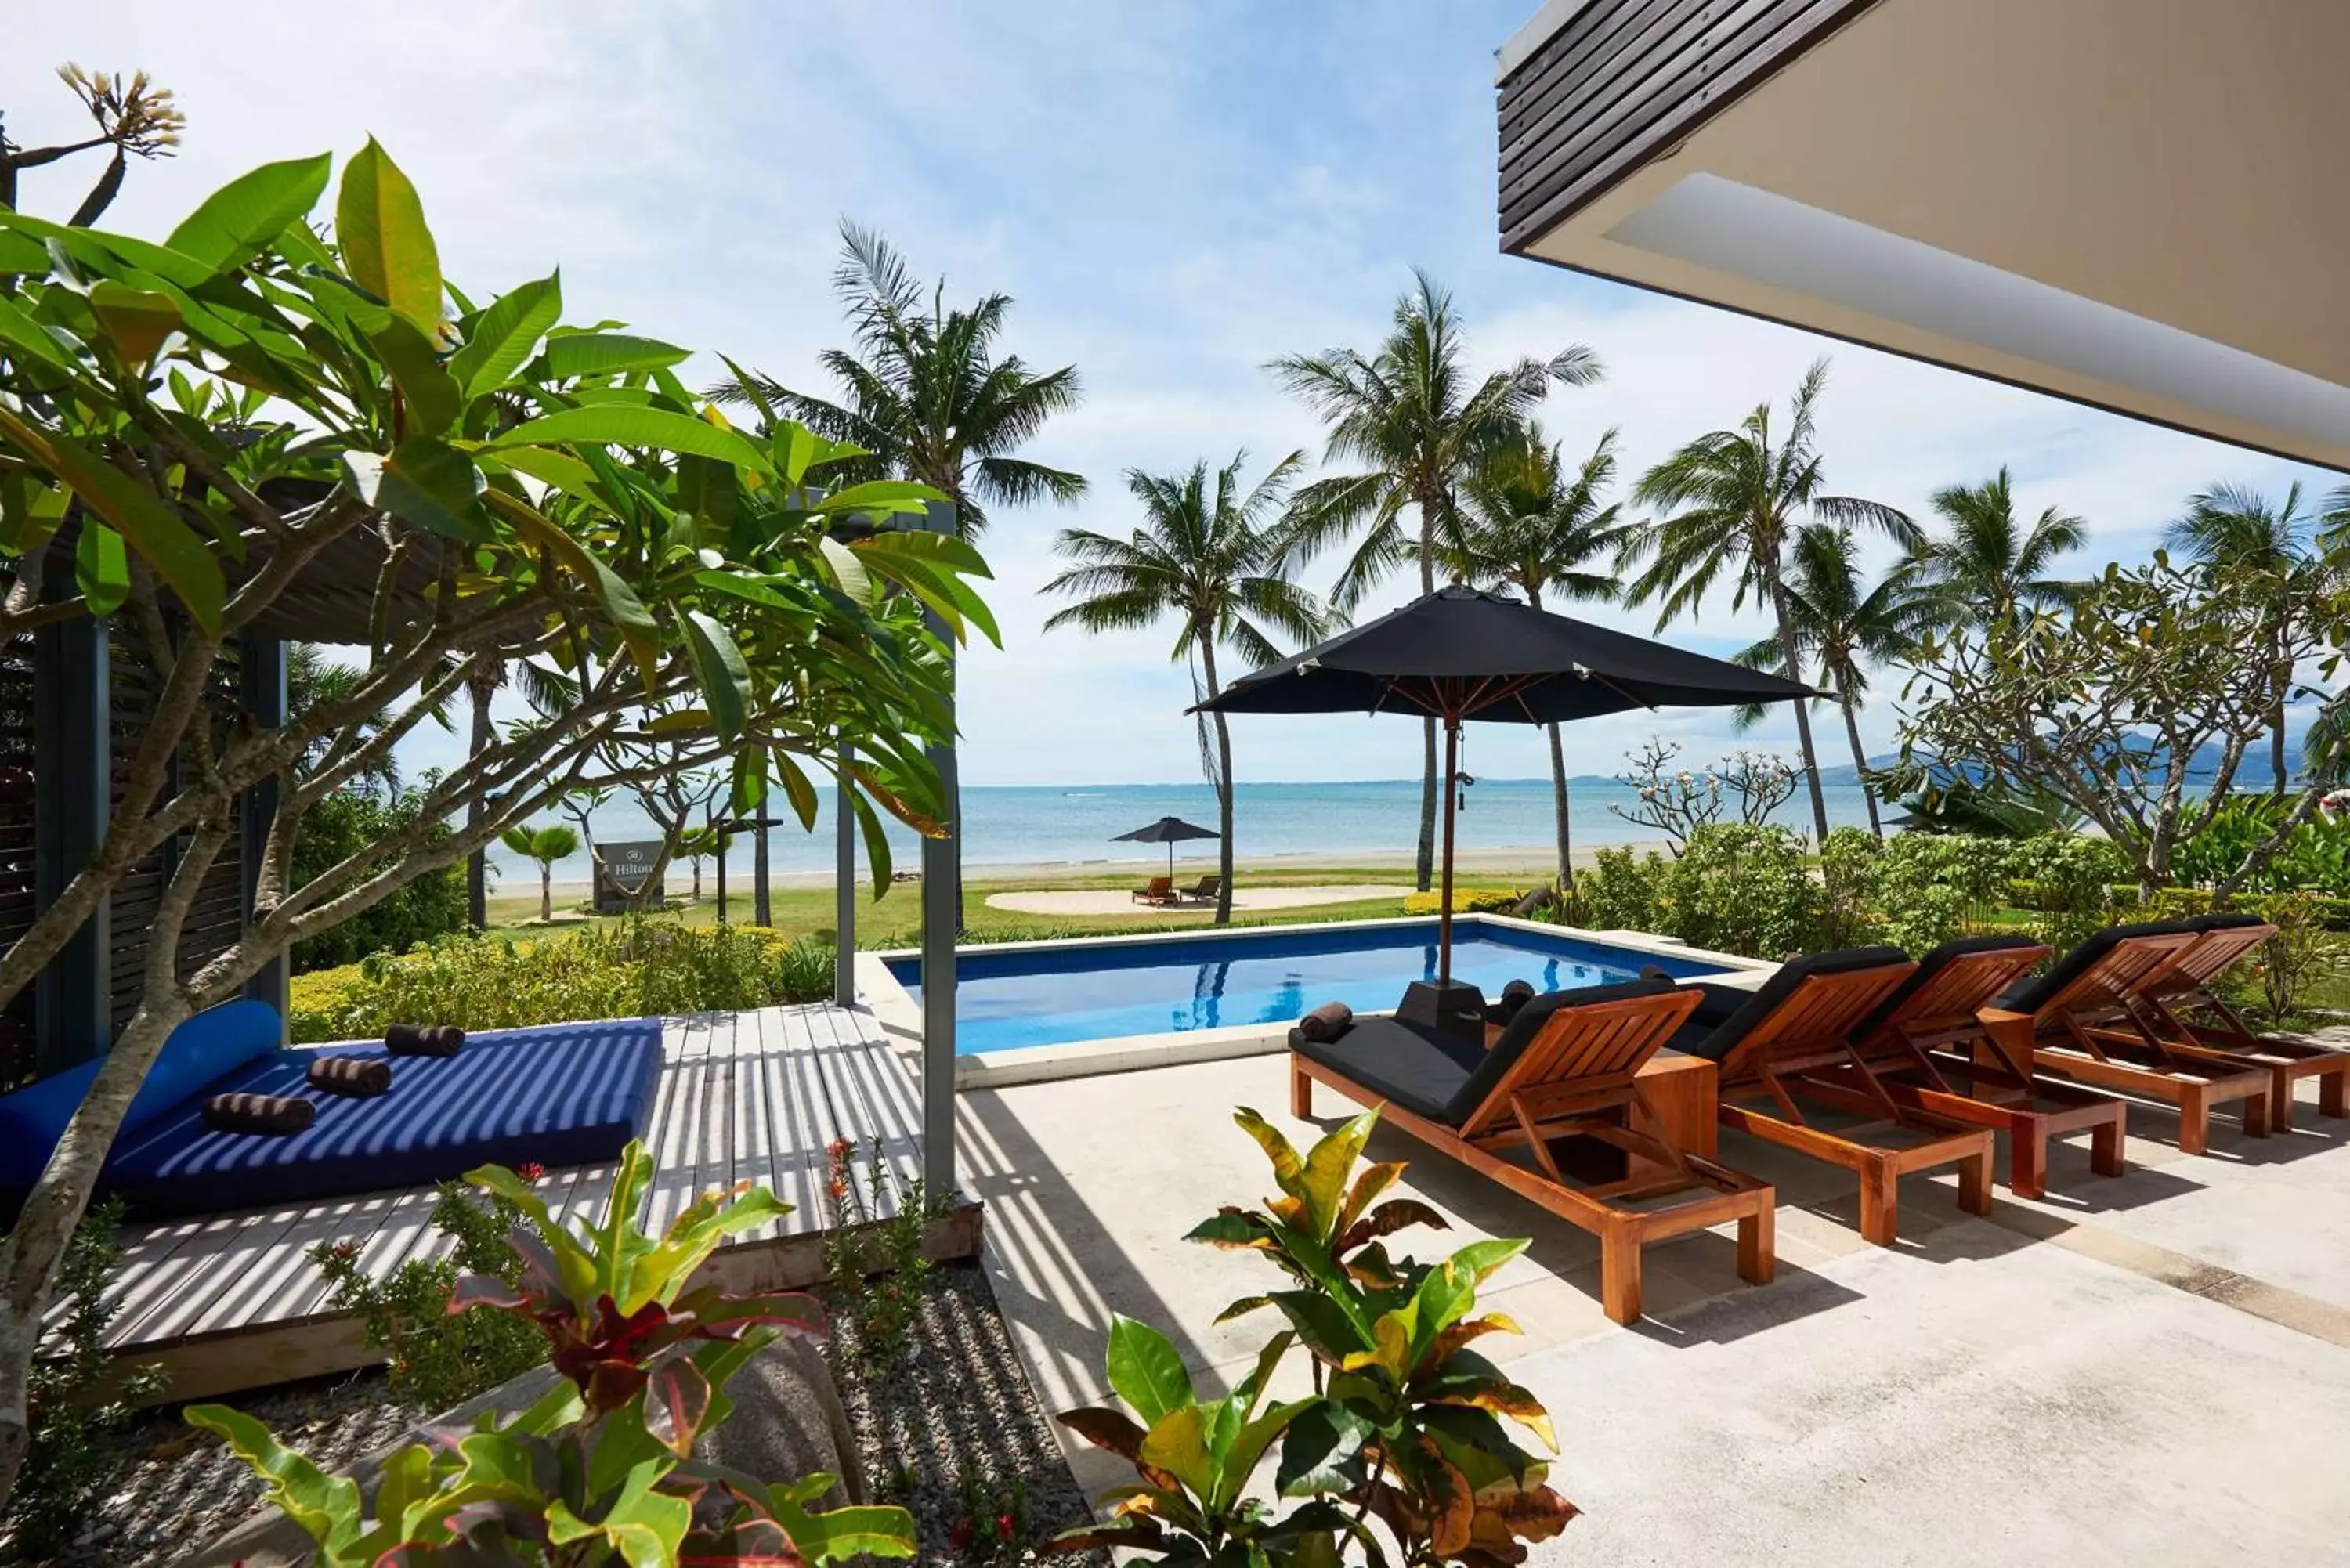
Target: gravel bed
955, 1408
180, 1486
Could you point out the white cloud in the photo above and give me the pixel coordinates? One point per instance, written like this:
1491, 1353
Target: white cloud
1174, 194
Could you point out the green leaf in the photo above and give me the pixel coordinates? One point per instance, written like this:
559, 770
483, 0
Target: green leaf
1322, 1451
555, 470
870, 1530
503, 334
621, 425
30, 513
1145, 1369
575, 355
431, 393
326, 1507
877, 842
137, 320
719, 670
101, 567
152, 528
425, 482
379, 224
883, 495
1177, 1444
20, 331
798, 789
237, 222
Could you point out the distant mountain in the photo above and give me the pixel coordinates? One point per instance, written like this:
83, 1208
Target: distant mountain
2253, 767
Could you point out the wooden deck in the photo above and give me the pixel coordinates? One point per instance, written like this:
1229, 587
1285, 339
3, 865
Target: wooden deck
229, 1300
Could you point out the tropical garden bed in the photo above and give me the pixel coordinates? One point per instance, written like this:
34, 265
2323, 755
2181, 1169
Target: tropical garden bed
946, 1426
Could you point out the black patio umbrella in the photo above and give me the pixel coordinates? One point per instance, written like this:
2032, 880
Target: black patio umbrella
1170, 831
1459, 654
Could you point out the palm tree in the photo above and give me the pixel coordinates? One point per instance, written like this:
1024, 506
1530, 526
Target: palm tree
1736, 499
1840, 623
1530, 522
923, 392
1212, 557
1411, 418
546, 846
925, 396
2231, 527
1989, 568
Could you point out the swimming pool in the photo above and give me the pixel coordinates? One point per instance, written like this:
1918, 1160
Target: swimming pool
1053, 993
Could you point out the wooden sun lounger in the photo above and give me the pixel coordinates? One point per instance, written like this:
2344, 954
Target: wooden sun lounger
2078, 1025
2174, 996
1932, 1037
1802, 1048
1157, 891
1204, 891
1576, 1075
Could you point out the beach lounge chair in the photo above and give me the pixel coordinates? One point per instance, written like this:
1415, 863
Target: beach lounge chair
1565, 1069
1791, 1039
2077, 1021
1928, 1048
1157, 891
1205, 890
2177, 995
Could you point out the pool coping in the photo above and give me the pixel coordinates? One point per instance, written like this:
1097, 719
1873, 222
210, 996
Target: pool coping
901, 1017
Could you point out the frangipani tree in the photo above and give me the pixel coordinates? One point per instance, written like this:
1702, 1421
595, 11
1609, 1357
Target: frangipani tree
193, 427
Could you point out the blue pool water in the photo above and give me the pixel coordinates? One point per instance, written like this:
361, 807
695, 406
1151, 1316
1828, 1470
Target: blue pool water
1047, 997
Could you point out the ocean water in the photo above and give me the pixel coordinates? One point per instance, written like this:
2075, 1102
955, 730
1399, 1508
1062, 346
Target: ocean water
1073, 825
1006, 1001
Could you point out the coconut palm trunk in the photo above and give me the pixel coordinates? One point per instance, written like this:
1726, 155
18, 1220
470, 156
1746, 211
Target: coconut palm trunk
1424, 858
1803, 709
1859, 759
1560, 805
547, 892
1207, 643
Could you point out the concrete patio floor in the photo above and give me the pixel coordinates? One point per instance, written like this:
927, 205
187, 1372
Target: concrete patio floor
2154, 1367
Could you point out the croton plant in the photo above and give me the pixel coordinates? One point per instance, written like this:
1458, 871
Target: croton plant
602, 1468
1400, 1443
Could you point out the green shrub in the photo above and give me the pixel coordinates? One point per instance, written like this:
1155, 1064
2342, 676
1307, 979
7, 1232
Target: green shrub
439, 1359
1852, 875
631, 968
1624, 891
338, 828
2314, 858
2070, 882
74, 1454
1743, 889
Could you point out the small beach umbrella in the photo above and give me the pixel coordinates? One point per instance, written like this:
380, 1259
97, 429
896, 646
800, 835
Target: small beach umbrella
1459, 654
1170, 831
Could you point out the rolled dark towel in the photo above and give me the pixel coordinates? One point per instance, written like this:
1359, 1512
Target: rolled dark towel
353, 1077
1653, 971
1514, 995
274, 1115
1327, 1023
427, 1040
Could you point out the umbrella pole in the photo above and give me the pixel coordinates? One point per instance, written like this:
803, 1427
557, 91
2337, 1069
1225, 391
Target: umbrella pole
1444, 910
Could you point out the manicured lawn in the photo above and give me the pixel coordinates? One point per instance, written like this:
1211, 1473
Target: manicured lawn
896, 919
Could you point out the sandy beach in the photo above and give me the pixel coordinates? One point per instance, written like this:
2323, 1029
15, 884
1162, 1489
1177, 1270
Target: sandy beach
1531, 861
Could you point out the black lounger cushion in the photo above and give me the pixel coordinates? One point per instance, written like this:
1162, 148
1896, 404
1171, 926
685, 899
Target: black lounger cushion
2033, 992
1444, 1079
1932, 965
2222, 921
1735, 1014
1415, 1068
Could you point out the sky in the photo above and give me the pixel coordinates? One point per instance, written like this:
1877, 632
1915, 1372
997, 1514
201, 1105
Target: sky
1173, 194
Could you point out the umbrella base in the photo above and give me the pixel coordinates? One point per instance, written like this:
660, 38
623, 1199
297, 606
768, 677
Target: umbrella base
1456, 1011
